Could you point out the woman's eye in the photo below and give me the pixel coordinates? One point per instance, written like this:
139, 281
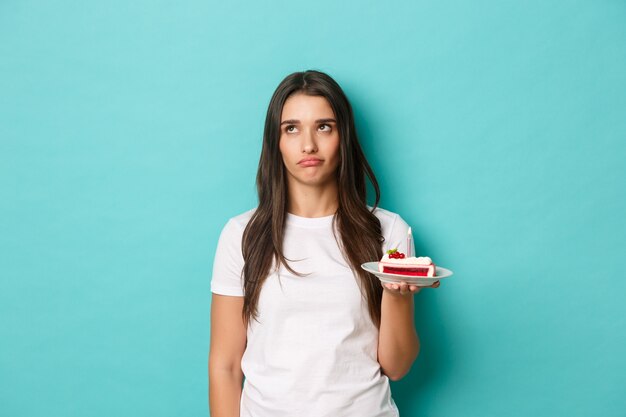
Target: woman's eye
325, 128
290, 128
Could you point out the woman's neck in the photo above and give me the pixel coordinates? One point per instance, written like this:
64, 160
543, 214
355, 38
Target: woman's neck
312, 201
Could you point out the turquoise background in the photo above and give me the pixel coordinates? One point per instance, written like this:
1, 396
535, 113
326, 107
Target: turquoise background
130, 133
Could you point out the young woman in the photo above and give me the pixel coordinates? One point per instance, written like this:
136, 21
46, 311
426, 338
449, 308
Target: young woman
292, 311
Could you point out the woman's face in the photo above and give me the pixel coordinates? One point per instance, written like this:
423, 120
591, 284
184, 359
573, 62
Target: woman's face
309, 140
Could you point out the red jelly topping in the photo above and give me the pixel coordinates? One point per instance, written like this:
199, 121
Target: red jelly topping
416, 272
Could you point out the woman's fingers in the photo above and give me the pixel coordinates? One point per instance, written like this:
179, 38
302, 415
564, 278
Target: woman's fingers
404, 288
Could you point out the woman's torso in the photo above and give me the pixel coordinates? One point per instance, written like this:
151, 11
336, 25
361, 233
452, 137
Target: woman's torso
313, 350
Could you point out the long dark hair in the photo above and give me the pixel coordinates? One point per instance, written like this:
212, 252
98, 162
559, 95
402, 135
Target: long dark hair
359, 229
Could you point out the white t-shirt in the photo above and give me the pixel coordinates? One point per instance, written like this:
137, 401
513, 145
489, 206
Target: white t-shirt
313, 351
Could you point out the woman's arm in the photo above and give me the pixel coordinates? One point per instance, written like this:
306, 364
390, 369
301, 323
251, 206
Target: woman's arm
228, 342
398, 343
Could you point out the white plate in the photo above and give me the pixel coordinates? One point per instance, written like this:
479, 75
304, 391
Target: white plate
440, 273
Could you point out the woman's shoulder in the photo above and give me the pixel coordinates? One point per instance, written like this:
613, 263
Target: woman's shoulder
242, 219
391, 223
386, 217
235, 225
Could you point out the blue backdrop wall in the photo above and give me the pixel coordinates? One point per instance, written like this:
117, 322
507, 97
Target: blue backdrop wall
130, 133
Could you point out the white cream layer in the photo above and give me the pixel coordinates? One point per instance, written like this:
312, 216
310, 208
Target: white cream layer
421, 260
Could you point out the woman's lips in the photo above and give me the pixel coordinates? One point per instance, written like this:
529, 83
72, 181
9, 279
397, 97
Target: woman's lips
310, 162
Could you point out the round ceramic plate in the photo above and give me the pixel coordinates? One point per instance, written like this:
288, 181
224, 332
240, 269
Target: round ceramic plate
372, 268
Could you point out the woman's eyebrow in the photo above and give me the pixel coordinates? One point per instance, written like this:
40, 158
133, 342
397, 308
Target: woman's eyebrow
295, 122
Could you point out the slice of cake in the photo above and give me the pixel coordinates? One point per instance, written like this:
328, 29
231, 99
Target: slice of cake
394, 262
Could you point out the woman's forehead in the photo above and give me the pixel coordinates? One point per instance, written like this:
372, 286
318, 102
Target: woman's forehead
304, 107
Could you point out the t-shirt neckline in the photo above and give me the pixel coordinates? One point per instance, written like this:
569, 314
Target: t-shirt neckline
310, 222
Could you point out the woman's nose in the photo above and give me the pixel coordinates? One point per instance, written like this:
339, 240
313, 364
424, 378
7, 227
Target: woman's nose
309, 145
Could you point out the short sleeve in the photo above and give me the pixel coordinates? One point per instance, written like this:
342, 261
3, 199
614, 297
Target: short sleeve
396, 235
227, 276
